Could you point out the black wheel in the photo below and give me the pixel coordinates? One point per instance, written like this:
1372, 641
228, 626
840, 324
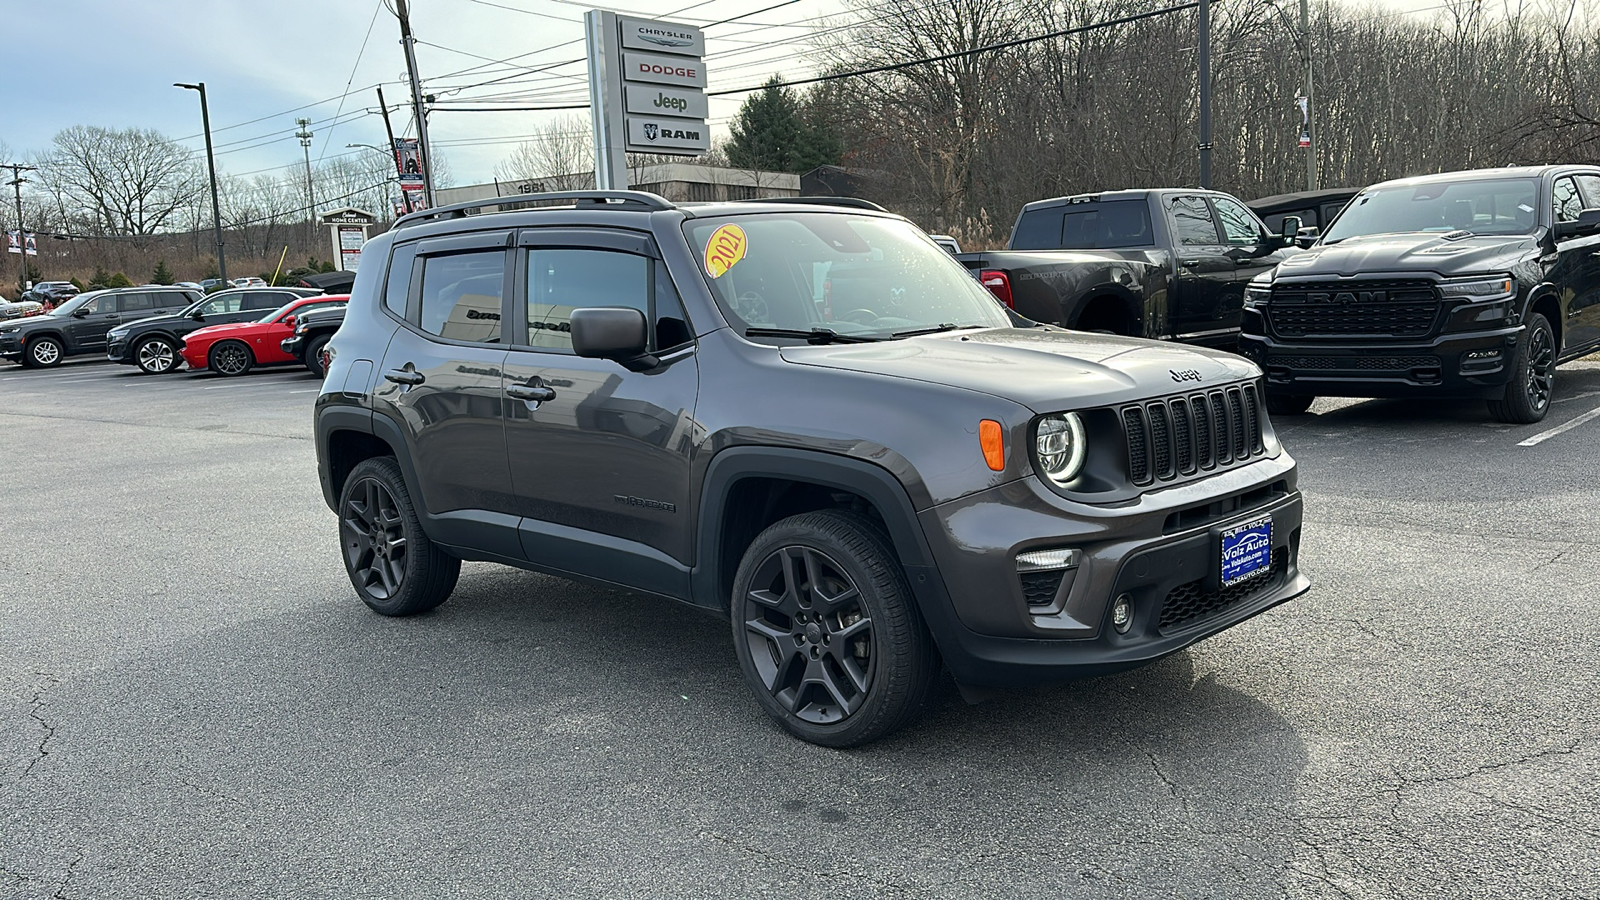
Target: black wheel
230, 358
1288, 404
826, 630
314, 356
395, 569
1533, 376
156, 356
43, 352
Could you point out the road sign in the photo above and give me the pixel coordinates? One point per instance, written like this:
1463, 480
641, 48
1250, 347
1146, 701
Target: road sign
647, 91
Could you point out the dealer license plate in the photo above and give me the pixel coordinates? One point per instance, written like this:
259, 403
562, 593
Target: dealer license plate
1246, 551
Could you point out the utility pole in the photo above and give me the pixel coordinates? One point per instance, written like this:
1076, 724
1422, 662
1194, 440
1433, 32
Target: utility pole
16, 183
1204, 23
211, 164
389, 130
304, 134
423, 149
1311, 121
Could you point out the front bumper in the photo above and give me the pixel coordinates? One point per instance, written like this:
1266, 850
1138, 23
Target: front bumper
11, 346
1162, 550
1468, 365
292, 345
120, 351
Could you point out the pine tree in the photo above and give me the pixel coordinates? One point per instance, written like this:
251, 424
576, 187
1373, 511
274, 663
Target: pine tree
162, 274
100, 277
777, 130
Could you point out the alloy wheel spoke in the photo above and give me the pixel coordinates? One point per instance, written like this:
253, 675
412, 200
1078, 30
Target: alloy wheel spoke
769, 631
824, 678
788, 694
792, 590
853, 630
853, 670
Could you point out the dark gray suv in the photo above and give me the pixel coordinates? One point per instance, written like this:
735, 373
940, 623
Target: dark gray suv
808, 420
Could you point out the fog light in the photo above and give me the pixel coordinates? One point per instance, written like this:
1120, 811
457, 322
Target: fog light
1122, 614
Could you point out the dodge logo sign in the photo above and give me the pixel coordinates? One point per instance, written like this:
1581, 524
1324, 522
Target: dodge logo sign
650, 131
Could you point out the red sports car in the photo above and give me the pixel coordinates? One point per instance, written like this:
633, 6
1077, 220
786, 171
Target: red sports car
235, 349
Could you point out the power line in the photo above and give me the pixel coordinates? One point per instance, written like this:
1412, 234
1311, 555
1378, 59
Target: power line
327, 139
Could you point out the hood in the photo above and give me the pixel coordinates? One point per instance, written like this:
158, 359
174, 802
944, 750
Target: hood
210, 330
1435, 253
1044, 369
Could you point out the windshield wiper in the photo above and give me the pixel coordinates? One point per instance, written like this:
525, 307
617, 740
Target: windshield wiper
812, 336
932, 329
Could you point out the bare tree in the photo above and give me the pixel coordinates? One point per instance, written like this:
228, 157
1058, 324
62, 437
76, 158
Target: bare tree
559, 157
121, 182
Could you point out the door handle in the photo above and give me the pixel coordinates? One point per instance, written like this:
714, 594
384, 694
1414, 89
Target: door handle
407, 376
533, 393
1188, 263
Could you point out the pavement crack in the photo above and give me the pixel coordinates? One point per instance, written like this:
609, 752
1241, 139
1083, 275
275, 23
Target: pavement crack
66, 879
37, 714
1550, 561
1565, 750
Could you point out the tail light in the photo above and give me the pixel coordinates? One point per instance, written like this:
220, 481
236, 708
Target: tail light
999, 284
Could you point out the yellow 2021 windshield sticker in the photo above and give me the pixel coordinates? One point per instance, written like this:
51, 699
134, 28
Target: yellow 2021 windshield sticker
724, 249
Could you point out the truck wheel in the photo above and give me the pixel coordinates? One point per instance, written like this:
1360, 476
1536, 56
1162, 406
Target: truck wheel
1533, 376
393, 566
314, 356
43, 353
826, 630
1288, 404
156, 356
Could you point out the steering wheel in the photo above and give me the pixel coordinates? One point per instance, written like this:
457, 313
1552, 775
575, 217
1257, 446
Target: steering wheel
752, 307
867, 314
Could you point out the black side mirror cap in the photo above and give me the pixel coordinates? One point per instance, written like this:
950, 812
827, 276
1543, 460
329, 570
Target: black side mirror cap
1588, 223
80, 312
617, 333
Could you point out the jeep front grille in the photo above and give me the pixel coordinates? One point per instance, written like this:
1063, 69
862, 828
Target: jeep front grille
1394, 309
1189, 433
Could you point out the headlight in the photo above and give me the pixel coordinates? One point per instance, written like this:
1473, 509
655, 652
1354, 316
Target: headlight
1479, 290
1256, 295
12, 330
1059, 446
116, 335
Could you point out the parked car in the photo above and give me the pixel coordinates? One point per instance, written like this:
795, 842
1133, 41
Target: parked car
80, 324
239, 347
189, 284
947, 243
664, 399
1169, 264
17, 309
1315, 210
210, 284
330, 282
249, 281
52, 291
312, 333
152, 344
1460, 285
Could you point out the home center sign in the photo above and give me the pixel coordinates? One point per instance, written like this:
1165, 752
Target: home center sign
647, 83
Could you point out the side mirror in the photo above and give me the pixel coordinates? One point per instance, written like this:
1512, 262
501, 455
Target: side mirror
616, 333
198, 316
1588, 223
80, 312
290, 321
1307, 236
1287, 231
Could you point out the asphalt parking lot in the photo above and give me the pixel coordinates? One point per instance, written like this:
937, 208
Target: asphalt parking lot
194, 704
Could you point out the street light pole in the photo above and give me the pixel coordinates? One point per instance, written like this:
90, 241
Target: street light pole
211, 164
1311, 121
1204, 54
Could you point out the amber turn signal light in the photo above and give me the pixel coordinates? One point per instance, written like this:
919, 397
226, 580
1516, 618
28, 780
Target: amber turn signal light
993, 443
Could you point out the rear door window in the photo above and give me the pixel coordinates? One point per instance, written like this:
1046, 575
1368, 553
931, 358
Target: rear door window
461, 296
1191, 222
136, 302
1590, 184
1038, 229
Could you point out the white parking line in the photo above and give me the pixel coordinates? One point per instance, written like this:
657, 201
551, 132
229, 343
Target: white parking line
1543, 436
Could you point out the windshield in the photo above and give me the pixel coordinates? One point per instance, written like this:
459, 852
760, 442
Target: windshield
280, 311
855, 275
66, 308
1499, 206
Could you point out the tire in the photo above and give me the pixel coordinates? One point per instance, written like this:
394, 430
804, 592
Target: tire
1533, 376
156, 356
314, 356
392, 565
1288, 404
825, 676
42, 353
230, 358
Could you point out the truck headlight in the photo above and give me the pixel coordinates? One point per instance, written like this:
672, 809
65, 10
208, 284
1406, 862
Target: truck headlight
1479, 290
1256, 295
1058, 444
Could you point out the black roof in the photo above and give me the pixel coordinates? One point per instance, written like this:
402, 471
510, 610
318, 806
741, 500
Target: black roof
1300, 199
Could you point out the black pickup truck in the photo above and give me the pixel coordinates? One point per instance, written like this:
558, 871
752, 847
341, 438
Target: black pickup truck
1169, 264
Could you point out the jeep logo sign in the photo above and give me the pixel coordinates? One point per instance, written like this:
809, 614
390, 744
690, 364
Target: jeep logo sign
655, 101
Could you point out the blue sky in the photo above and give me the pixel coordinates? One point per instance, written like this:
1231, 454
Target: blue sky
112, 63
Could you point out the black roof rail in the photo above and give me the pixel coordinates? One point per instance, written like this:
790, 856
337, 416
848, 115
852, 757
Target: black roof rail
591, 199
851, 202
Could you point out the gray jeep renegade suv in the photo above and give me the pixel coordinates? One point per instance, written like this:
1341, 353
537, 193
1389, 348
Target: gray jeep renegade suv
806, 419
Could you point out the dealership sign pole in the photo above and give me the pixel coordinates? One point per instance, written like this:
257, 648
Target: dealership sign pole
647, 94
